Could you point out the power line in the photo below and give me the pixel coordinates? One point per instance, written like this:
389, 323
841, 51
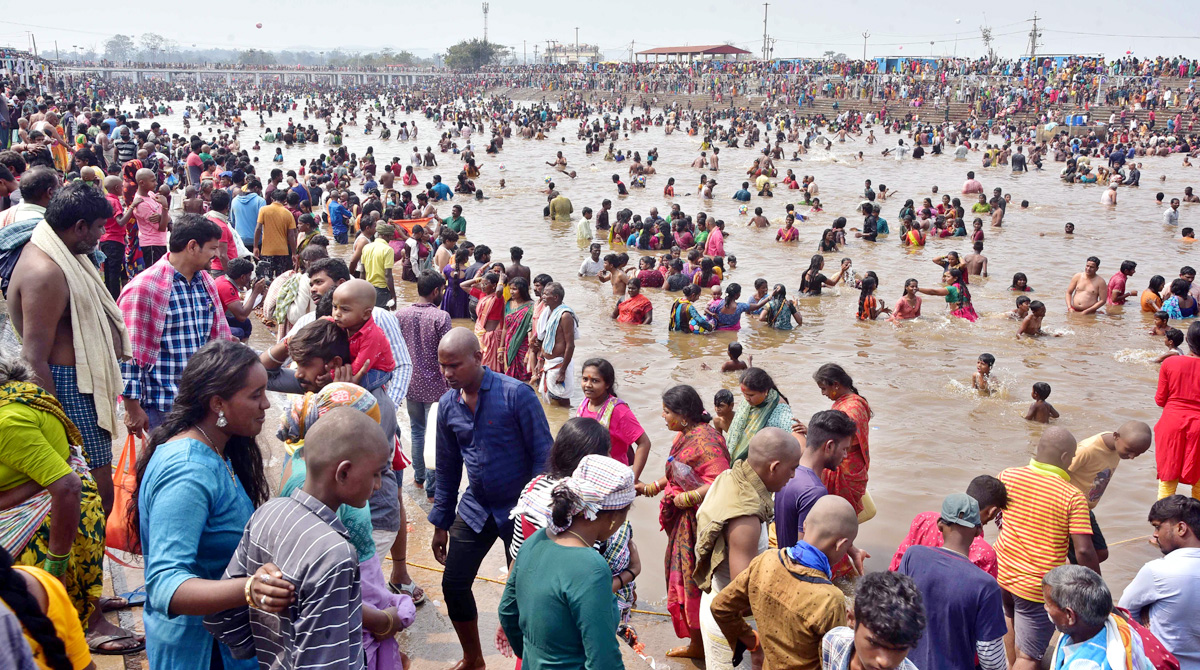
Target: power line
1145, 37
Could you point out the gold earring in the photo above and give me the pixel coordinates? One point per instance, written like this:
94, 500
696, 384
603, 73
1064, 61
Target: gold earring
612, 524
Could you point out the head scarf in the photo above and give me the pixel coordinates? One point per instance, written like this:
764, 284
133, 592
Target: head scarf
599, 483
385, 230
306, 409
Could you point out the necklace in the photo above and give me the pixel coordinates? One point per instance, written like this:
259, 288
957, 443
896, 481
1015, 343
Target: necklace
585, 542
211, 446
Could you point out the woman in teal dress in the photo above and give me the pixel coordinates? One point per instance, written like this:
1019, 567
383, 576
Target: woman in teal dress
558, 609
781, 311
762, 406
200, 478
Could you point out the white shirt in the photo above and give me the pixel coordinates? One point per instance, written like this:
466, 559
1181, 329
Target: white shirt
590, 268
1171, 217
1168, 587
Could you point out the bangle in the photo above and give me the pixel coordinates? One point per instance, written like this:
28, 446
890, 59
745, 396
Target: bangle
390, 622
631, 576
757, 642
249, 596
272, 357
55, 556
55, 567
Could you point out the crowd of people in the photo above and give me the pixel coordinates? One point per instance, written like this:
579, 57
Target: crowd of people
136, 258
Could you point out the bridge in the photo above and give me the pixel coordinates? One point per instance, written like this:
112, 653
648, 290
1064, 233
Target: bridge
143, 73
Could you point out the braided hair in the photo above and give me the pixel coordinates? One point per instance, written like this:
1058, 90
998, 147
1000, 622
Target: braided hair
16, 595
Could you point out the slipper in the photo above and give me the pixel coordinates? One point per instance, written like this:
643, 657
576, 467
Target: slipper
136, 597
95, 642
112, 603
411, 590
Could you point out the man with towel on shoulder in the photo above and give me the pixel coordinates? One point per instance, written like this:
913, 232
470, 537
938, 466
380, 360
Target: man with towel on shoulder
557, 336
71, 329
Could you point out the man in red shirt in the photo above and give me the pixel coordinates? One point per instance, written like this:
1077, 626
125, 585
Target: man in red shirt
1116, 285
112, 242
229, 288
992, 497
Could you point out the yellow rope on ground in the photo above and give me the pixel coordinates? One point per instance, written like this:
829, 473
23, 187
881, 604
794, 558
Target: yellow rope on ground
497, 581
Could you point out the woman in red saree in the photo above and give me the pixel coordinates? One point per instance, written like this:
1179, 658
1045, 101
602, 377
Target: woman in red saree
849, 480
636, 308
518, 320
490, 311
700, 448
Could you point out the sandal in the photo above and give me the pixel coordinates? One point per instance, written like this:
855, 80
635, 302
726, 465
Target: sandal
410, 589
94, 645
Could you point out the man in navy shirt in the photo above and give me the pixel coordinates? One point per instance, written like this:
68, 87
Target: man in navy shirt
339, 217
495, 426
828, 437
965, 617
743, 194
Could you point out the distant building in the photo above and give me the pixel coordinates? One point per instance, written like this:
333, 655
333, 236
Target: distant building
562, 54
690, 53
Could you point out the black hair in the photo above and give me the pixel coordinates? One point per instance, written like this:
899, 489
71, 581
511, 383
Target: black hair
543, 279
1036, 305
15, 594
189, 227
832, 373
1020, 276
987, 491
808, 279
1176, 508
606, 371
723, 397
829, 424
1094, 259
889, 604
220, 200
516, 253
1157, 282
334, 268
1180, 287
1193, 338
321, 339
482, 251
1174, 336
76, 202
988, 359
684, 401
1160, 314
519, 287
1128, 266
219, 368
37, 182
577, 438
1023, 300
1042, 390
733, 292
735, 350
239, 267
760, 381
868, 287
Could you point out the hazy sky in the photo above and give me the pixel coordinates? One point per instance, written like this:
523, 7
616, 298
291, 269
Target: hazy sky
1112, 27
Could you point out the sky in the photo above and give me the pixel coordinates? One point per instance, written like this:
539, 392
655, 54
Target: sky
1111, 27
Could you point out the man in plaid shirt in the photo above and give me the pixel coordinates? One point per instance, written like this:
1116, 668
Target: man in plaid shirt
171, 310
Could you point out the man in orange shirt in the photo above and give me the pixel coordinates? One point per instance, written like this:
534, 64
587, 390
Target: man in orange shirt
275, 234
1045, 513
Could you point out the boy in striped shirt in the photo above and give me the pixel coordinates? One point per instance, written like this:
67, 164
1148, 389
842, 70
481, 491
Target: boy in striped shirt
1045, 514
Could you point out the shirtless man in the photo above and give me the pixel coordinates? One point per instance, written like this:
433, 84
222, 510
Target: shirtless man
613, 274
1087, 292
40, 302
976, 263
560, 163
1031, 325
758, 219
701, 161
515, 269
555, 360
192, 204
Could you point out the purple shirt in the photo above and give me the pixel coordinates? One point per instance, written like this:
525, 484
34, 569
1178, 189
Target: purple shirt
793, 502
423, 326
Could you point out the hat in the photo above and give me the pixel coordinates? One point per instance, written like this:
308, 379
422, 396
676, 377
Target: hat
961, 509
385, 230
226, 173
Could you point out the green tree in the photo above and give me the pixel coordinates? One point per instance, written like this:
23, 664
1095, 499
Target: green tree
471, 55
119, 48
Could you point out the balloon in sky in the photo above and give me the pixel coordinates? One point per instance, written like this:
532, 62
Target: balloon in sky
258, 25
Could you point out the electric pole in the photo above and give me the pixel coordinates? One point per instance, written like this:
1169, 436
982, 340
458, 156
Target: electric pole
865, 36
576, 44
535, 50
524, 52
485, 13
1033, 39
765, 47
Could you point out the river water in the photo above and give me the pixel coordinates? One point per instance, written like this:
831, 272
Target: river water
930, 434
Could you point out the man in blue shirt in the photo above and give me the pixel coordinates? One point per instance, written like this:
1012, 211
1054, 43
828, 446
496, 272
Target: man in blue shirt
339, 218
829, 435
963, 606
440, 190
495, 426
743, 194
245, 211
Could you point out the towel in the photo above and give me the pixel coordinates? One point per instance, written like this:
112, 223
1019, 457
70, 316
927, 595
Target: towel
95, 318
736, 492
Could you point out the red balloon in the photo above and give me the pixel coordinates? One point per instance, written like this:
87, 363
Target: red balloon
258, 25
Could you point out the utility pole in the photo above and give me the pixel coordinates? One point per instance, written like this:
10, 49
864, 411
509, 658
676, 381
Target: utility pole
576, 44
33, 39
865, 36
535, 50
485, 13
1033, 38
56, 57
524, 52
765, 46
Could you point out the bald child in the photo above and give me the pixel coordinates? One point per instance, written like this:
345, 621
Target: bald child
346, 454
353, 303
790, 593
1095, 463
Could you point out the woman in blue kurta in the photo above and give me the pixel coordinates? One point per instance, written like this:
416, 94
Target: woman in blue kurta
200, 478
558, 608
